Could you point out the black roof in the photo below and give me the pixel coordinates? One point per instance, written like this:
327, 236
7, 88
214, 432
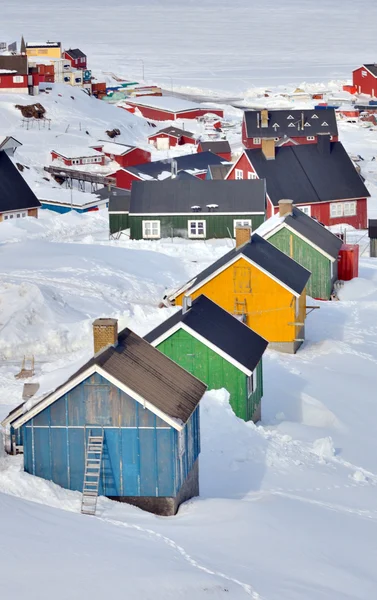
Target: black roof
291, 123
188, 162
313, 231
217, 146
219, 171
75, 53
220, 328
180, 196
269, 258
372, 68
15, 193
309, 173
149, 373
174, 132
119, 199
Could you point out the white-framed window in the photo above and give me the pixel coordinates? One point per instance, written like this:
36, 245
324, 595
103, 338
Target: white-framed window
256, 141
75, 161
151, 230
310, 138
240, 223
252, 384
15, 215
336, 210
350, 209
196, 229
238, 174
18, 79
251, 175
306, 209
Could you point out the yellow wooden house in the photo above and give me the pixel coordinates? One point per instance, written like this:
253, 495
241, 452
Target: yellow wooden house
44, 49
260, 285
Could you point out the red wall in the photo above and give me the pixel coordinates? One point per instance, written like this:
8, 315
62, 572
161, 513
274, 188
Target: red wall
225, 155
165, 115
135, 157
321, 211
173, 141
243, 164
348, 262
75, 62
248, 142
365, 85
6, 81
124, 179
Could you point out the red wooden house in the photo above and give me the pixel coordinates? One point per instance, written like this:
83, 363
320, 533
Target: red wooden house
78, 156
365, 80
78, 59
287, 127
125, 156
167, 108
220, 147
171, 136
14, 74
319, 178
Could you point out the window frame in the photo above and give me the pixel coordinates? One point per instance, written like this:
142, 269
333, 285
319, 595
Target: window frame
308, 210
336, 206
196, 236
244, 223
238, 174
310, 138
257, 140
251, 175
149, 223
352, 205
251, 384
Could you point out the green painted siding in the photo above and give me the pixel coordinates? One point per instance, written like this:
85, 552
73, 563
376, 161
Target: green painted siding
118, 222
320, 283
217, 226
215, 371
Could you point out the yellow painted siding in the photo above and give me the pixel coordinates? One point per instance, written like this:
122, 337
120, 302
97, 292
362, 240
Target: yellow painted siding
270, 308
44, 52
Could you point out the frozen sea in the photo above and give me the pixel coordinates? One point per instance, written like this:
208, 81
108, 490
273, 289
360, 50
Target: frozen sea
222, 45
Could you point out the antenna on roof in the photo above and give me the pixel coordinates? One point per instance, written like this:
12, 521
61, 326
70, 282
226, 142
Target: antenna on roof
174, 169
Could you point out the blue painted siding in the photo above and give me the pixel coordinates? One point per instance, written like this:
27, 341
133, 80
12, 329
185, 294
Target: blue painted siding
67, 208
140, 456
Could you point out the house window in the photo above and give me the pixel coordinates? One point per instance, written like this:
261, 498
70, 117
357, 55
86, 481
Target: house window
75, 161
336, 210
251, 175
238, 173
18, 79
256, 141
196, 229
240, 223
350, 209
17, 215
252, 384
310, 138
151, 229
306, 209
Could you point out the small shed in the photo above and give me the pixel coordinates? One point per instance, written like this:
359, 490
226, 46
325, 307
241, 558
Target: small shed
220, 147
260, 285
77, 58
309, 243
194, 209
78, 156
125, 156
142, 405
171, 136
218, 349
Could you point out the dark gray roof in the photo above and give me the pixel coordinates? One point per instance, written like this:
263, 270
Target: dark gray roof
291, 123
174, 132
216, 146
219, 171
188, 162
308, 173
179, 196
313, 231
14, 62
149, 373
269, 258
220, 328
75, 53
119, 199
183, 175
372, 68
15, 193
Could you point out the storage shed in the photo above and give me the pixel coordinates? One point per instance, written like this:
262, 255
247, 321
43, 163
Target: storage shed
171, 136
170, 108
309, 243
218, 349
260, 285
145, 409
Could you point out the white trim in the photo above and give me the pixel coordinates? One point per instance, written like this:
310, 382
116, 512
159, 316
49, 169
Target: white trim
238, 174
309, 207
247, 221
196, 236
67, 387
228, 264
150, 223
192, 214
236, 163
12, 417
280, 227
204, 341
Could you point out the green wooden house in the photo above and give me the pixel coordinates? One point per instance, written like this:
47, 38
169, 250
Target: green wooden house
119, 208
195, 209
309, 243
218, 349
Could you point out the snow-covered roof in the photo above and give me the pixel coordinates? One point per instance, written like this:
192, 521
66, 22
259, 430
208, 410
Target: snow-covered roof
7, 71
164, 103
76, 152
113, 148
269, 225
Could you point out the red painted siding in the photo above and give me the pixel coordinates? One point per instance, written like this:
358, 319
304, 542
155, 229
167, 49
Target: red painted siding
243, 165
76, 62
173, 141
6, 81
348, 262
166, 115
365, 84
124, 179
225, 155
321, 211
135, 157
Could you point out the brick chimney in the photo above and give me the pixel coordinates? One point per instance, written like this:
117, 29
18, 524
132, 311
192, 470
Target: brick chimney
268, 148
264, 117
285, 207
105, 333
243, 235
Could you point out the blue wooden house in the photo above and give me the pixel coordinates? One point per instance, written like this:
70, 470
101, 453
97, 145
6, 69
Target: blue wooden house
144, 407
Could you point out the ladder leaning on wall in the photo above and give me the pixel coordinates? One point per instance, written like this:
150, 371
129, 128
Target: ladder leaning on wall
93, 461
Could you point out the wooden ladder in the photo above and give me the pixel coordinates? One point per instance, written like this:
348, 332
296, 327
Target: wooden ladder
240, 310
93, 460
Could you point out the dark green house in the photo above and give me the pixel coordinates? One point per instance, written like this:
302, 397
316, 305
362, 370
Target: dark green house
218, 349
195, 209
309, 243
119, 208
